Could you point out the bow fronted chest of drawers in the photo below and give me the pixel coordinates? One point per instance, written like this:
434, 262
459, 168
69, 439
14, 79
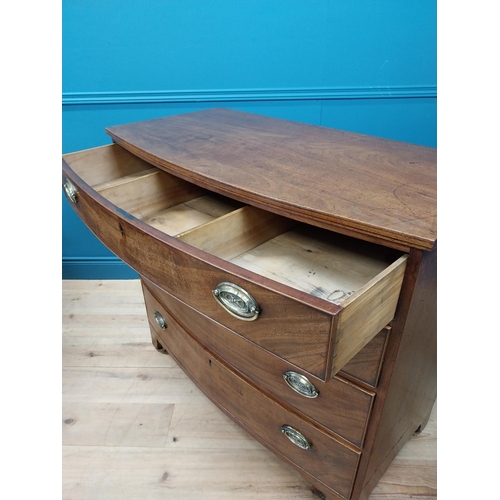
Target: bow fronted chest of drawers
289, 269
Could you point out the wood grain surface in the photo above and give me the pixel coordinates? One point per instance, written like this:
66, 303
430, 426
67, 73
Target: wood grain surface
286, 326
341, 406
409, 393
134, 425
325, 462
374, 188
317, 263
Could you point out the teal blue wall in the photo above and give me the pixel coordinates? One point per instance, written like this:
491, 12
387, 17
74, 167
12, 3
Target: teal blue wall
362, 66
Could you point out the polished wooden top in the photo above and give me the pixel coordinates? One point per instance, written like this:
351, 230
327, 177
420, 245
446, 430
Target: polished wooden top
373, 188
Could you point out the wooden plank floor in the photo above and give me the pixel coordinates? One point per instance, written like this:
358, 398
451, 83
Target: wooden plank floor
135, 427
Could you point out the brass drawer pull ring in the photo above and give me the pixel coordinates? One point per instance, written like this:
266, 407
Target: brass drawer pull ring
301, 384
160, 320
236, 301
296, 437
70, 190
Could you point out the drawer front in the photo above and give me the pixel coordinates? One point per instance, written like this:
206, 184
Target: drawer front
340, 406
286, 327
366, 365
311, 297
327, 460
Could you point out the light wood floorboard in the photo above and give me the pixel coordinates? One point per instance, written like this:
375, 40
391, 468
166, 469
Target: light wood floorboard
135, 427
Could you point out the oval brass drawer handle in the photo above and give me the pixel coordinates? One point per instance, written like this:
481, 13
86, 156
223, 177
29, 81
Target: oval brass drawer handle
296, 437
160, 320
70, 190
236, 301
301, 384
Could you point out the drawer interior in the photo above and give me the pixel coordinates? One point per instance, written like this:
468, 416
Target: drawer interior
163, 201
327, 265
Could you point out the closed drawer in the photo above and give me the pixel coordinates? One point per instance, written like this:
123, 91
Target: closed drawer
338, 405
367, 364
327, 460
319, 297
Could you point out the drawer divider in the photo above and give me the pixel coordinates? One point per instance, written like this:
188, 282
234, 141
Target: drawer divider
237, 232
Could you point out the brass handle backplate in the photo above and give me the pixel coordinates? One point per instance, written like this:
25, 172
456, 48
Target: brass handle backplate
296, 437
70, 190
301, 384
236, 301
160, 320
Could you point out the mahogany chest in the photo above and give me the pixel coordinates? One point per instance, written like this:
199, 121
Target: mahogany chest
289, 269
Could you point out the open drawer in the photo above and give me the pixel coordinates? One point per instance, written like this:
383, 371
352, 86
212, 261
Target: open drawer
310, 296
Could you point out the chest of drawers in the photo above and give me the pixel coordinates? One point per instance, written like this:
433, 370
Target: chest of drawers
290, 270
